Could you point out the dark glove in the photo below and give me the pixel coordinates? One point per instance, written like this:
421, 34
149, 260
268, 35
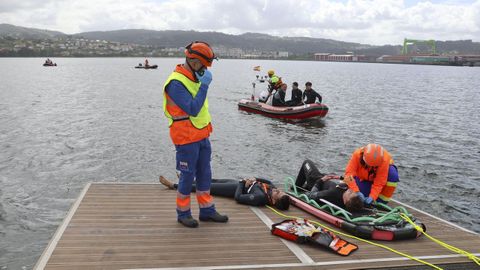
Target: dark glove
362, 197
205, 78
368, 201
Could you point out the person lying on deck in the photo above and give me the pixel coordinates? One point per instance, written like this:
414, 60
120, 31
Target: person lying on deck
320, 187
250, 191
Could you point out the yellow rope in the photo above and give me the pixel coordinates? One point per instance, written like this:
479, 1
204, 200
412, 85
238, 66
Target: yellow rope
443, 244
359, 239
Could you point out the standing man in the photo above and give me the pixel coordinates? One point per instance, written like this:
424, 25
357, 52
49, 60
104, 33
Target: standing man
185, 105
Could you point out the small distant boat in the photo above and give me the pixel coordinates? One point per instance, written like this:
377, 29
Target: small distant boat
49, 64
295, 112
147, 67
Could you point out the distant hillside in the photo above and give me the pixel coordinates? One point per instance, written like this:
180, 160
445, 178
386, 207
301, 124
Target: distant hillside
250, 41
458, 46
27, 33
299, 46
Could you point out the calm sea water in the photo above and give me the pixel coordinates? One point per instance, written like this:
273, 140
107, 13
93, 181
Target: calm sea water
94, 120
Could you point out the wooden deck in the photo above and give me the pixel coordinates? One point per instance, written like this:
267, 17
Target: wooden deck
133, 226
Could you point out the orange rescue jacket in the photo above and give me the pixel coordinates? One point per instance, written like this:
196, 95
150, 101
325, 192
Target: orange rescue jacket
376, 175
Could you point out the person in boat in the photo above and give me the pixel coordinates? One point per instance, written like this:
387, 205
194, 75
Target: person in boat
296, 99
274, 82
48, 61
320, 187
250, 191
310, 95
279, 96
146, 63
185, 105
370, 173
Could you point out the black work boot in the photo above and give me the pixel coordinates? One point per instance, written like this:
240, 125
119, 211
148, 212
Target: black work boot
188, 222
215, 217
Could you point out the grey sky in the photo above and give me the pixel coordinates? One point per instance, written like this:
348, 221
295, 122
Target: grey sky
372, 22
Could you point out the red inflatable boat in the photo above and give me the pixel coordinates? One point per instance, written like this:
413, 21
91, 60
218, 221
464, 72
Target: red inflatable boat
297, 112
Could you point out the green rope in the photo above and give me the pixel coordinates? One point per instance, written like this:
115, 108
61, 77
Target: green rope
391, 214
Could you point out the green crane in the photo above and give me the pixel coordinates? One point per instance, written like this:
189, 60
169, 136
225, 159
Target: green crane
407, 42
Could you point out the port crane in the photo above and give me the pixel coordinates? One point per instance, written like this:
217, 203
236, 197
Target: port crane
407, 42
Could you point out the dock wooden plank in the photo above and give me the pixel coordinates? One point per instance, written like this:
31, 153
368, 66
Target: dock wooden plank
128, 226
133, 226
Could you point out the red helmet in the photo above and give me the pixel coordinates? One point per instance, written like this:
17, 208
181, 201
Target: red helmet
201, 51
373, 155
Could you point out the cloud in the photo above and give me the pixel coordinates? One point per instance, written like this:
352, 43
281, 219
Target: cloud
372, 21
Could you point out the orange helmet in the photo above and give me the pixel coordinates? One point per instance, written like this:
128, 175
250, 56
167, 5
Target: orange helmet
373, 155
201, 51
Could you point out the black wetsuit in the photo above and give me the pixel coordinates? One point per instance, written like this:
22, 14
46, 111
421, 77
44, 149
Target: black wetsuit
296, 98
230, 188
279, 99
309, 179
311, 96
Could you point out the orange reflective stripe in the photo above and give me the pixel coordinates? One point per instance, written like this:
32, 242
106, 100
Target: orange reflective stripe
204, 199
183, 202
